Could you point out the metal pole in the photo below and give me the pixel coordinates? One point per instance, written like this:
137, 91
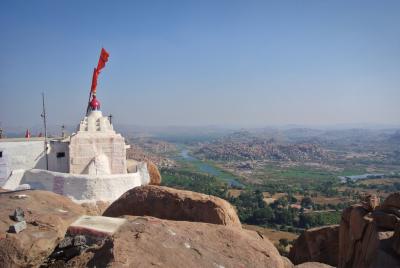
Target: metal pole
45, 132
87, 108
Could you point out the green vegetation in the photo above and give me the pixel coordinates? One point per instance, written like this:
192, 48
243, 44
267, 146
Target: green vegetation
194, 181
252, 210
250, 204
295, 173
319, 218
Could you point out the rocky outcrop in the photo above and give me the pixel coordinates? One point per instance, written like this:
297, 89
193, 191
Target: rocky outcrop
367, 237
168, 203
148, 241
95, 208
155, 176
392, 201
47, 217
313, 265
317, 245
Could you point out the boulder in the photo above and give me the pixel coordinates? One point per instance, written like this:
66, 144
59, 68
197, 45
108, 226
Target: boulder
287, 263
95, 208
317, 245
368, 239
168, 203
155, 176
358, 222
47, 217
370, 202
396, 240
313, 265
385, 220
148, 241
392, 200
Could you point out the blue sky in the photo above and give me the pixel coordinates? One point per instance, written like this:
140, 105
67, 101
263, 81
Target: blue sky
250, 63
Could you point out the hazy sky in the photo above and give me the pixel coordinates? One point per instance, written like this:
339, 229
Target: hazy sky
202, 62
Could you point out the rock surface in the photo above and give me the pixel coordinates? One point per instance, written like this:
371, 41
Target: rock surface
168, 203
367, 237
148, 241
96, 208
313, 265
47, 217
317, 245
392, 200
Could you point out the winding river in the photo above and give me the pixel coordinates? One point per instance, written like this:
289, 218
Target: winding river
209, 169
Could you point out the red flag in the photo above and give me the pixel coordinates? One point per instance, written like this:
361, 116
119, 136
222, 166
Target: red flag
94, 80
102, 60
27, 134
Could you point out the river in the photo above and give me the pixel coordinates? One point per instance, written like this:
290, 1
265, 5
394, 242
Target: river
204, 167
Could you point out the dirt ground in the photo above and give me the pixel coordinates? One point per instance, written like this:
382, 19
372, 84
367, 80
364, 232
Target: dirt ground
271, 234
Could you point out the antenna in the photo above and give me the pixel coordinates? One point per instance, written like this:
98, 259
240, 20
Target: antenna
44, 116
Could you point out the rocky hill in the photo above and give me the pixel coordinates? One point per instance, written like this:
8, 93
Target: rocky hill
261, 149
45, 239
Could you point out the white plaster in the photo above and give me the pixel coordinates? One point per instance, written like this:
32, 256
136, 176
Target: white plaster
14, 180
86, 188
59, 164
23, 153
96, 148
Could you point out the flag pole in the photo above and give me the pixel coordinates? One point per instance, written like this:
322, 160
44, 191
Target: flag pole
44, 115
87, 108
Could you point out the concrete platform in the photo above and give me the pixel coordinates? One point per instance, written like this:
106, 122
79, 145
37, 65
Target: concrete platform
95, 226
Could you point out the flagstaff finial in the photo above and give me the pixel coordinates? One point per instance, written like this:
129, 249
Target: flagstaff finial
94, 103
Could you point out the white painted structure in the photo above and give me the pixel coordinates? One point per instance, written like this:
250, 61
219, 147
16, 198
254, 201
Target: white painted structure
89, 165
20, 154
96, 148
83, 187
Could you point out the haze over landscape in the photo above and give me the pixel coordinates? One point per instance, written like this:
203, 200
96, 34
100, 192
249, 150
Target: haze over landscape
203, 63
243, 133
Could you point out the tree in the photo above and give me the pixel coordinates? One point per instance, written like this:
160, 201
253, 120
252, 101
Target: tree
307, 202
262, 216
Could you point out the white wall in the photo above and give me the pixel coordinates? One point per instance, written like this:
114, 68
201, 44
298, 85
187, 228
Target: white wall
59, 164
22, 154
86, 188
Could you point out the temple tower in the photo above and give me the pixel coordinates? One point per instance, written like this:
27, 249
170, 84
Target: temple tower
96, 149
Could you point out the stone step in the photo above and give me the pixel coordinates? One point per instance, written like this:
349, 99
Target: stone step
95, 226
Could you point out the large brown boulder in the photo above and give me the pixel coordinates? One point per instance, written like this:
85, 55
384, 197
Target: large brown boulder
367, 237
47, 216
317, 245
313, 265
396, 240
392, 200
168, 203
148, 241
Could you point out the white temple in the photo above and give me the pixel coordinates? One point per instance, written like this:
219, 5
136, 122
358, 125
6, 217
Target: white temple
89, 165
